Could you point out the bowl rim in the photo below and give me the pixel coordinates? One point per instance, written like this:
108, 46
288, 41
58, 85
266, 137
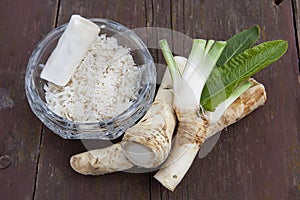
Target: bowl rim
53, 34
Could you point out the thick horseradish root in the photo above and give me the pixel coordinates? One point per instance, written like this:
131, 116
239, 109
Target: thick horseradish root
185, 150
148, 143
112, 159
192, 124
191, 133
101, 161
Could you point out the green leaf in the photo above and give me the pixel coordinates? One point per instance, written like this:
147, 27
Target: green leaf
223, 80
239, 43
219, 111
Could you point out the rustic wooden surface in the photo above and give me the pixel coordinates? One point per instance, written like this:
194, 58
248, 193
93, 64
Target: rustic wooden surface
258, 158
296, 10
21, 27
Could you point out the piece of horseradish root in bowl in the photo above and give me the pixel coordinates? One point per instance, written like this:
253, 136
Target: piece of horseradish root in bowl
90, 79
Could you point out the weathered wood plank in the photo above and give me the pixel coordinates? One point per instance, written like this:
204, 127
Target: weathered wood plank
258, 158
130, 14
56, 179
158, 14
22, 25
296, 9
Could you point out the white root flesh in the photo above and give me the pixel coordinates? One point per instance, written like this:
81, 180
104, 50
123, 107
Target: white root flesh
70, 50
185, 149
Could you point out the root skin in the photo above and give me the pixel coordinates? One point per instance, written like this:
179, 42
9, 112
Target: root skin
101, 161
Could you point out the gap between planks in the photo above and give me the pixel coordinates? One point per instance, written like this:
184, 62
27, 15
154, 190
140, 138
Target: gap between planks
296, 18
42, 129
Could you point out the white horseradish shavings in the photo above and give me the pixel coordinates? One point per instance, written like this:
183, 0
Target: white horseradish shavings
103, 86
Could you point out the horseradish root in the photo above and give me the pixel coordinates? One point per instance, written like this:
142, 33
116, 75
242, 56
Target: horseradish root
192, 124
250, 100
112, 158
101, 161
203, 92
178, 163
148, 143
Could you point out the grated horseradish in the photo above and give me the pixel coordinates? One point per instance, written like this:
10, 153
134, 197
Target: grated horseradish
103, 85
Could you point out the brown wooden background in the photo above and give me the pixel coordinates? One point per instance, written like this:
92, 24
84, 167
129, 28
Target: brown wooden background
258, 158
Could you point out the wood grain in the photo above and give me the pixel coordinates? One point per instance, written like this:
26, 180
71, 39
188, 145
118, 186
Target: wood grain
22, 25
296, 11
158, 14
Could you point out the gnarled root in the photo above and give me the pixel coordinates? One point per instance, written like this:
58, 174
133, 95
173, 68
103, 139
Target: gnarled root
185, 150
101, 161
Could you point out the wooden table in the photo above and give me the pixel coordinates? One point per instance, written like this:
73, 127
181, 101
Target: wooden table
258, 158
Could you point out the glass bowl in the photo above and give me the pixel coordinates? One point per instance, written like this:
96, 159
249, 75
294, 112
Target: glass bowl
108, 129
